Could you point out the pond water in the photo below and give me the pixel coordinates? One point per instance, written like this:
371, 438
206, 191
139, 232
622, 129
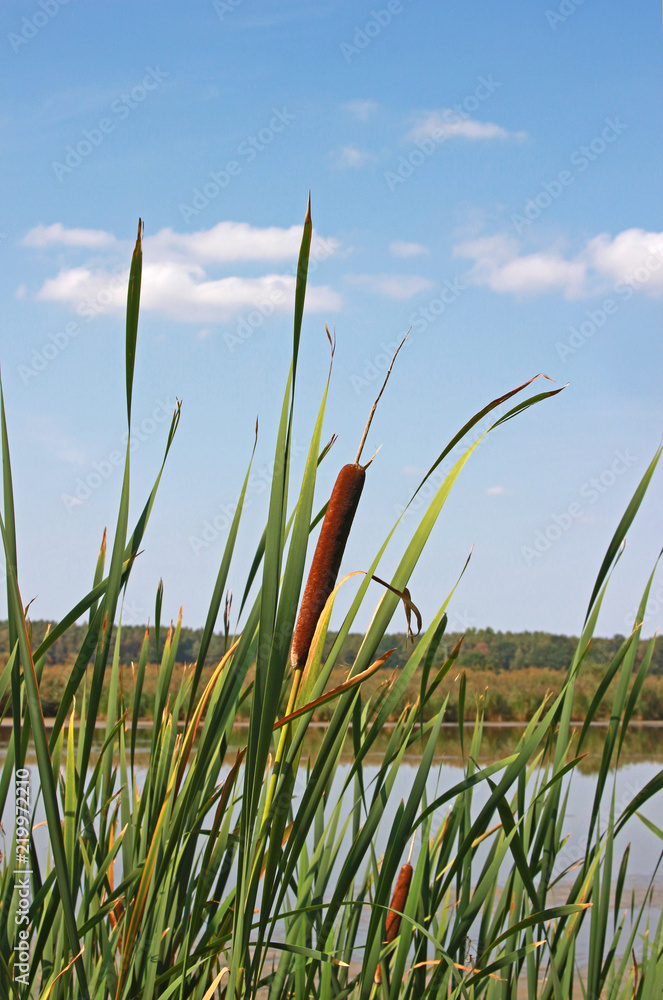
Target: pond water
642, 759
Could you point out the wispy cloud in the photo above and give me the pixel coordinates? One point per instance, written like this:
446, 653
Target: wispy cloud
47, 435
230, 242
360, 109
176, 271
45, 236
393, 286
76, 102
499, 264
224, 243
447, 123
400, 249
633, 257
350, 157
183, 292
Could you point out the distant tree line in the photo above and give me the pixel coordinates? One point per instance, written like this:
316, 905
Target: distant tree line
483, 649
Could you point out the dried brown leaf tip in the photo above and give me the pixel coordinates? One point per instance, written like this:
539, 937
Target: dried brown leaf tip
226, 616
332, 342
398, 901
139, 237
410, 607
327, 448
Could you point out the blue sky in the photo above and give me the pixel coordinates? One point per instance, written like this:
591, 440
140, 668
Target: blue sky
486, 173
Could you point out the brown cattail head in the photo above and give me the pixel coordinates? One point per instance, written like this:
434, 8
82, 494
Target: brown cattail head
322, 576
398, 901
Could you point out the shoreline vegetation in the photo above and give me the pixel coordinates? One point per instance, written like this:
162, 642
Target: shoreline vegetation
507, 674
643, 742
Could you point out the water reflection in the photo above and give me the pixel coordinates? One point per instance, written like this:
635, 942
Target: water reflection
643, 744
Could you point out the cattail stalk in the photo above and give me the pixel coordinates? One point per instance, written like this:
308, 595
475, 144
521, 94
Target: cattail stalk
334, 533
341, 509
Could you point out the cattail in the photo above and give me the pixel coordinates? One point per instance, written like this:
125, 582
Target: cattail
329, 551
334, 533
398, 901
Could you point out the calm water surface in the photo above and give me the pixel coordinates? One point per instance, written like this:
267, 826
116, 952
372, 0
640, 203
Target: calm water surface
642, 759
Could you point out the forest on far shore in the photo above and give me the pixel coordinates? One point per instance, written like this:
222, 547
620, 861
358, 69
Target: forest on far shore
507, 674
482, 649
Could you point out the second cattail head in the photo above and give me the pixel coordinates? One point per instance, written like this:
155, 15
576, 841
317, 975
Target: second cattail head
398, 901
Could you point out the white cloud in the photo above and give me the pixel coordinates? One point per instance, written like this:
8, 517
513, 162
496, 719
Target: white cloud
176, 272
498, 491
400, 249
183, 292
79, 284
361, 110
351, 157
633, 257
447, 123
44, 236
393, 286
232, 241
499, 265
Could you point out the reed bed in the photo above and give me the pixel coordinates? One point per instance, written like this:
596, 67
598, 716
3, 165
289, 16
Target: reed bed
221, 872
